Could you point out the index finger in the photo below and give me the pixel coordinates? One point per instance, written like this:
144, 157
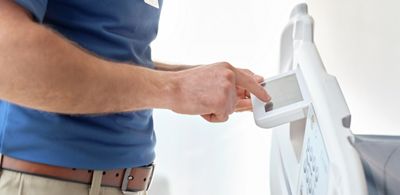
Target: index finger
246, 81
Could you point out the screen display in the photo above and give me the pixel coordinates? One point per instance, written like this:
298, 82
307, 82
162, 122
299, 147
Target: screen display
283, 91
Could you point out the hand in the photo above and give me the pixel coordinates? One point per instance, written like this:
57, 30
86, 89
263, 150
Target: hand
213, 90
243, 102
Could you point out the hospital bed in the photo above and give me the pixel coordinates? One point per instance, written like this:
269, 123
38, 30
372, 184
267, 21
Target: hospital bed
314, 151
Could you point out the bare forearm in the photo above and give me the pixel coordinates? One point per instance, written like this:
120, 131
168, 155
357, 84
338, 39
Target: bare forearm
42, 70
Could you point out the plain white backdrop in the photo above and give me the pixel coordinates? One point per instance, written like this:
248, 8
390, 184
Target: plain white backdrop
359, 42
195, 157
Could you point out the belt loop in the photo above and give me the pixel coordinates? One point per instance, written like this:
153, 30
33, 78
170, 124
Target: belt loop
126, 178
96, 183
153, 166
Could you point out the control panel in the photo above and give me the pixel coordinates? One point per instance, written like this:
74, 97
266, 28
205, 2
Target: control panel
315, 161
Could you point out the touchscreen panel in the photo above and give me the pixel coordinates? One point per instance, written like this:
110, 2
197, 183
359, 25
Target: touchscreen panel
283, 91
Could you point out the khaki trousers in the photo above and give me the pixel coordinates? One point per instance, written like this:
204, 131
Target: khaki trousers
15, 183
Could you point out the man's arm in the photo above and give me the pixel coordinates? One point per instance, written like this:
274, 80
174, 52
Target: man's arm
42, 70
243, 96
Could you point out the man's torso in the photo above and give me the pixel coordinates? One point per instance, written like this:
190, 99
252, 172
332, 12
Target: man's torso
115, 30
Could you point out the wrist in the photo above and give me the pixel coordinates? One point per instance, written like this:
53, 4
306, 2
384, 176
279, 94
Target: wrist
168, 90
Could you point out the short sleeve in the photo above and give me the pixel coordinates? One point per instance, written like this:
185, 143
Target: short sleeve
36, 7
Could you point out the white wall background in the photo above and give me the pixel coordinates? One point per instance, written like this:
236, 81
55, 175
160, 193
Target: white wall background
359, 42
196, 157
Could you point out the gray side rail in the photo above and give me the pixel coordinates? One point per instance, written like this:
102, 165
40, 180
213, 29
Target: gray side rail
380, 157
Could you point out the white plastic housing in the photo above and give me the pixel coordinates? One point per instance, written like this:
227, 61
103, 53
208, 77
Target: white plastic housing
322, 139
290, 92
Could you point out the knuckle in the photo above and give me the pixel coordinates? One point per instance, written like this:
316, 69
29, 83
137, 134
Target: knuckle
226, 65
229, 75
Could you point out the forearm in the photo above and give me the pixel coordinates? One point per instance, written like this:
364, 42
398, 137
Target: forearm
42, 70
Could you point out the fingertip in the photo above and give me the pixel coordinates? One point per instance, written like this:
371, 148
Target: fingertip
268, 98
253, 87
263, 95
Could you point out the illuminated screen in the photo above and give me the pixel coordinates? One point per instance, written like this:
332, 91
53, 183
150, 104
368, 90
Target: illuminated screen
283, 91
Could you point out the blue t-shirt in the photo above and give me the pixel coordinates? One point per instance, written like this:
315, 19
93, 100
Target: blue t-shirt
117, 30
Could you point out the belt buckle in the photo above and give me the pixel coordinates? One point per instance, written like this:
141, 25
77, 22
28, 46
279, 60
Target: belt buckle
127, 178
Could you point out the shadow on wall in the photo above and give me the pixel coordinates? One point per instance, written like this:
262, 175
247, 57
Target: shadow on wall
160, 186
